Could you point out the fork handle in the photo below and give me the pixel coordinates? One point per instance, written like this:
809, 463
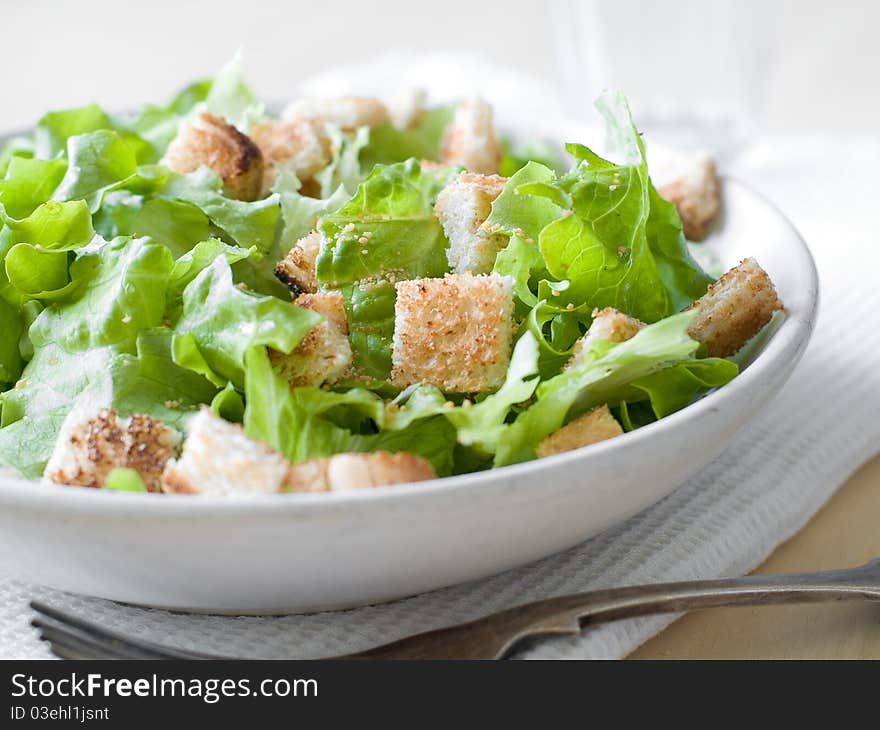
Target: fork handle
495, 635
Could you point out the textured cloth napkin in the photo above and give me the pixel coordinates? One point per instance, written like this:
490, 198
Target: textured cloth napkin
819, 429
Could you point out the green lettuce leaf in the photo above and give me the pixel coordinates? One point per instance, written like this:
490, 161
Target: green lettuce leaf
122, 292
229, 404
97, 162
220, 322
10, 358
304, 423
431, 438
385, 233
681, 275
38, 274
524, 215
27, 183
517, 155
601, 228
606, 375
245, 223
103, 346
15, 148
388, 145
477, 425
230, 97
190, 96
675, 387
52, 226
124, 480
520, 260
177, 224
55, 128
344, 169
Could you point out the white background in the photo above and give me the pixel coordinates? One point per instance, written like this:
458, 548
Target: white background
57, 54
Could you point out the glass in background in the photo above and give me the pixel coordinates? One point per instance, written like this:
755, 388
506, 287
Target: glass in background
694, 71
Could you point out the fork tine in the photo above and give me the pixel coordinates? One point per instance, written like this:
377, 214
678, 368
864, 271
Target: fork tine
112, 641
69, 645
108, 648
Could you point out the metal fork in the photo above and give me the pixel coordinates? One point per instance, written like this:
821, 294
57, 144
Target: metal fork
495, 636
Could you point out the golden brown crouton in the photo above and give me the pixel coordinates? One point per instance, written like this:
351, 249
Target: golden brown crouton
407, 108
346, 112
608, 324
453, 332
462, 208
324, 355
594, 426
297, 270
219, 459
298, 144
734, 309
470, 140
696, 194
342, 472
89, 447
210, 140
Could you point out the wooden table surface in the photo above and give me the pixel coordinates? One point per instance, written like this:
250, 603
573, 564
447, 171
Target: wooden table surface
844, 533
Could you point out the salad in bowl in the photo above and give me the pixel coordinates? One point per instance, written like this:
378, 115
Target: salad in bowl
204, 298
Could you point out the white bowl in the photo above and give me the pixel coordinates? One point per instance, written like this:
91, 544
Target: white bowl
288, 553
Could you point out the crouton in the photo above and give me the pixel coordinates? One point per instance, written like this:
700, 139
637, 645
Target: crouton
219, 459
594, 426
91, 445
297, 270
453, 332
470, 140
407, 108
462, 208
342, 472
346, 112
324, 355
297, 144
210, 140
692, 187
608, 324
734, 309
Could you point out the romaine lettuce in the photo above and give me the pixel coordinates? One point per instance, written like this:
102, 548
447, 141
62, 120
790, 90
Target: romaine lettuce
638, 369
220, 322
386, 232
388, 144
304, 423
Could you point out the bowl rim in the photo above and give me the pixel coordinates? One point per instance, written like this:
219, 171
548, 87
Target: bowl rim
790, 338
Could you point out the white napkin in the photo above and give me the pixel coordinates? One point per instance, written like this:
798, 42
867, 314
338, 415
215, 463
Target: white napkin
725, 521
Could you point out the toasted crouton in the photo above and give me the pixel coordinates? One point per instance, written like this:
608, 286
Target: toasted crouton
324, 355
470, 140
734, 309
210, 140
462, 208
346, 112
594, 426
453, 332
608, 324
298, 144
407, 108
297, 270
219, 459
342, 472
91, 445
692, 186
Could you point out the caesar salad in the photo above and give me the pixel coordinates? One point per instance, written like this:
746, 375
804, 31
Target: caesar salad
205, 298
